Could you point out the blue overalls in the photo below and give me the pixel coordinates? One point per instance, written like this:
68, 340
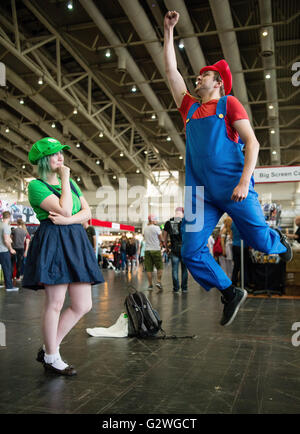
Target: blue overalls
216, 162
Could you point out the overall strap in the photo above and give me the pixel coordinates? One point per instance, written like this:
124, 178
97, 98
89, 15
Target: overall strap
56, 192
192, 110
221, 107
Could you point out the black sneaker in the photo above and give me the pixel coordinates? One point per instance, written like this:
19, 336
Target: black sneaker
232, 307
288, 255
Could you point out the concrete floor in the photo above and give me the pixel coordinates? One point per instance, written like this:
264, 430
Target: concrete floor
249, 367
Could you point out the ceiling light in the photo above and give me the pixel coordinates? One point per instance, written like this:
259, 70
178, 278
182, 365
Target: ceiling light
169, 139
268, 76
41, 80
78, 179
78, 145
133, 89
98, 162
181, 44
272, 131
153, 116
23, 167
53, 125
70, 5
180, 157
101, 134
75, 111
271, 107
21, 101
107, 53
114, 177
121, 154
137, 170
146, 152
265, 32
7, 130
274, 152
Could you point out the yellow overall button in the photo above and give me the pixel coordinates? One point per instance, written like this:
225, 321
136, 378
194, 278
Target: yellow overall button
221, 116
187, 121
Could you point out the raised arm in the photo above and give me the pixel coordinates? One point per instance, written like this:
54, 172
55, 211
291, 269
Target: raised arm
175, 80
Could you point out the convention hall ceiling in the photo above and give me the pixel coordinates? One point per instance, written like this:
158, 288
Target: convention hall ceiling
93, 77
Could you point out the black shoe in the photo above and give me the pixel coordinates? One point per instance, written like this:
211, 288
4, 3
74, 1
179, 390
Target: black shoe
69, 371
288, 255
40, 355
232, 307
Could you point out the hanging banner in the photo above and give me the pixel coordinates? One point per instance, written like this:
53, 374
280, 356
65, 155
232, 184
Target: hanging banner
276, 174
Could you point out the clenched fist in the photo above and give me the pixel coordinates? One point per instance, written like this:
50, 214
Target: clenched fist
171, 19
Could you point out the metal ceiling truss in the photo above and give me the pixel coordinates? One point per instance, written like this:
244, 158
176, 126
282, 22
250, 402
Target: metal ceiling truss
75, 96
105, 124
125, 126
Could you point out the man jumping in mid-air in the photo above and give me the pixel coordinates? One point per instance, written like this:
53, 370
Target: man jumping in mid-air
214, 160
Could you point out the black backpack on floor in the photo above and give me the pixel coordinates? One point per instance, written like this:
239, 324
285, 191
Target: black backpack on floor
143, 320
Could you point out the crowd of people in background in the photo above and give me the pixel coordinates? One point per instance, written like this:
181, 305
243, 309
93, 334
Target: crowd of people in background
125, 254
14, 244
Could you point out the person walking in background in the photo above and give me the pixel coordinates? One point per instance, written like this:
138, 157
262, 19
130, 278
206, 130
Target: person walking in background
60, 256
172, 228
26, 247
153, 239
226, 259
138, 249
131, 252
18, 237
236, 253
6, 250
117, 255
142, 253
91, 233
123, 245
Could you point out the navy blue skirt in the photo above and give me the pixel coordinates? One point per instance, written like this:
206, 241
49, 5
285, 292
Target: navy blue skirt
60, 254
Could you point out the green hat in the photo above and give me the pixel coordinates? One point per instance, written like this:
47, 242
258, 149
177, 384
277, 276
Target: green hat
43, 147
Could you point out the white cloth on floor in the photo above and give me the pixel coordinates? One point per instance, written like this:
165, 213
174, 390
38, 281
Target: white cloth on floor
118, 330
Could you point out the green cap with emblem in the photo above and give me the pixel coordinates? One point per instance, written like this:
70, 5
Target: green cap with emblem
43, 147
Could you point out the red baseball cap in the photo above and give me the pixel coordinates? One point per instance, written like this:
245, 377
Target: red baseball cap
223, 69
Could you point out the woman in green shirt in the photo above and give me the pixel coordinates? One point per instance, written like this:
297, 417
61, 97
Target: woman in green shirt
60, 257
